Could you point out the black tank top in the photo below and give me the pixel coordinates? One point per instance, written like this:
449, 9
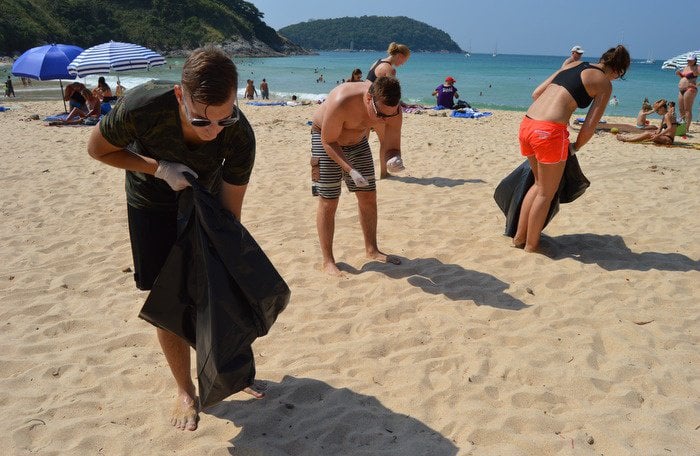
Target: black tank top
571, 80
370, 74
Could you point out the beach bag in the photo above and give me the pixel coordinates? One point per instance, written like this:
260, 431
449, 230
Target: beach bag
219, 292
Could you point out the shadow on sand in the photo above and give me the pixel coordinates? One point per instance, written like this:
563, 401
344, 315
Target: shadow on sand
451, 280
305, 416
611, 253
436, 181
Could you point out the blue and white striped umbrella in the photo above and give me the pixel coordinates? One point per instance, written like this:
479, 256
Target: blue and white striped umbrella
679, 61
114, 56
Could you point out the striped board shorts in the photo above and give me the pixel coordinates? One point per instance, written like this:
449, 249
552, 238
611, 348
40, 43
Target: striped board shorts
326, 174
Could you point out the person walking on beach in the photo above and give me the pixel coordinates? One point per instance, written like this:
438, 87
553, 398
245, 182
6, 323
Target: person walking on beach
340, 151
9, 88
157, 132
544, 138
446, 93
397, 55
264, 90
576, 54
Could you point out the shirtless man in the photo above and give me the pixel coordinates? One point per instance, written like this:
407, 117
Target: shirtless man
158, 131
576, 54
340, 151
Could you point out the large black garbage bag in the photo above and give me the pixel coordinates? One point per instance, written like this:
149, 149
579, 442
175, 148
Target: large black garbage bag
511, 191
219, 291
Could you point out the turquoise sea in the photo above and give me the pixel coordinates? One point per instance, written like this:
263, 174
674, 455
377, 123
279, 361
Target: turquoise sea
486, 82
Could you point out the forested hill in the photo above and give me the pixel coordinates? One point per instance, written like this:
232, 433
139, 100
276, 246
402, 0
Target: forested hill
163, 25
369, 32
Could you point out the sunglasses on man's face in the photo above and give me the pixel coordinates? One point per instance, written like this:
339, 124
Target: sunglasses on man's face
199, 122
380, 114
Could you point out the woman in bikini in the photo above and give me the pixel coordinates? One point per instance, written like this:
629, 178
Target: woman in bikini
665, 134
544, 138
398, 54
688, 89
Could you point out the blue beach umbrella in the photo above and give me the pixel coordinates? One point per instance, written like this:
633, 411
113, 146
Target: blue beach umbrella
114, 56
46, 63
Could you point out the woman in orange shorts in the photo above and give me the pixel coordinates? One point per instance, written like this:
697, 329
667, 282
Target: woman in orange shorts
544, 138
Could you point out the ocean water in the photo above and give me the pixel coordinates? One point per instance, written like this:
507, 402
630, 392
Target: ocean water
486, 82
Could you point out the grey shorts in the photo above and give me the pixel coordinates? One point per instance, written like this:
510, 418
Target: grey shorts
326, 174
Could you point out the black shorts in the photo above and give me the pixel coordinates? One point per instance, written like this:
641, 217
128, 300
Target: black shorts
153, 234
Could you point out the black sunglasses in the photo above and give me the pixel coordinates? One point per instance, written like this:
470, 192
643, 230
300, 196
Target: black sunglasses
199, 122
380, 114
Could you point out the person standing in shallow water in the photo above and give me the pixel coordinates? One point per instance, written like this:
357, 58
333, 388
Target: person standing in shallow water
157, 132
264, 90
544, 138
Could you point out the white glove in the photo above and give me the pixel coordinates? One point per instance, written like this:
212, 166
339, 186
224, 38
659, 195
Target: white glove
359, 180
172, 174
395, 164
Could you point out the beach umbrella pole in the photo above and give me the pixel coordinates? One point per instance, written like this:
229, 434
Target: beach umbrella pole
63, 96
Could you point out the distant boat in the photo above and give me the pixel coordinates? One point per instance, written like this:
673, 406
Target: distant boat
469, 51
649, 59
495, 51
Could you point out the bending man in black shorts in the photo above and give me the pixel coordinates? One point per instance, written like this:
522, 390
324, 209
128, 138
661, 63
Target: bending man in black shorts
340, 151
156, 132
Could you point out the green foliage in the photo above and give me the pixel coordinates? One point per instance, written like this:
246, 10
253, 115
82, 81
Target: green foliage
159, 24
369, 32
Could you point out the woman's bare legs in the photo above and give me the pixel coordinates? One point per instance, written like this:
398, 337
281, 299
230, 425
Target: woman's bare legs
521, 233
548, 179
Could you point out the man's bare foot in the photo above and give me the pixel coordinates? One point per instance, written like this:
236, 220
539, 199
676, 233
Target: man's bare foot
384, 258
331, 269
184, 414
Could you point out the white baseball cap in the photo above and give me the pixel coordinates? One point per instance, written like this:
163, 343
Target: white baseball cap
577, 49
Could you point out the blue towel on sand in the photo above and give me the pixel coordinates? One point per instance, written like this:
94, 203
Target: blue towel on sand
470, 114
266, 103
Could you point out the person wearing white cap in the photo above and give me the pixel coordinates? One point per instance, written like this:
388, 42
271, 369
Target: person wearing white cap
688, 89
576, 54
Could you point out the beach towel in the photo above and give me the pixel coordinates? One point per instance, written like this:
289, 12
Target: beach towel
468, 113
511, 191
267, 103
219, 292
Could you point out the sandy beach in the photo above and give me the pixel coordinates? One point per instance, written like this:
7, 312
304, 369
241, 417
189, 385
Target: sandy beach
470, 347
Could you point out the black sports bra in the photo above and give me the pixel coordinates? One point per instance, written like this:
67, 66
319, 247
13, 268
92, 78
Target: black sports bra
571, 80
370, 74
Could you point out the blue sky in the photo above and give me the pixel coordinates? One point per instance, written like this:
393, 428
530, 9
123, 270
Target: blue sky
541, 27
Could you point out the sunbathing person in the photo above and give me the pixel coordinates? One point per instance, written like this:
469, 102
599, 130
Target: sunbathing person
642, 122
92, 104
663, 135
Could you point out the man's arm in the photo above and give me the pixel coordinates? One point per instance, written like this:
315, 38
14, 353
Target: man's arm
331, 130
100, 149
232, 198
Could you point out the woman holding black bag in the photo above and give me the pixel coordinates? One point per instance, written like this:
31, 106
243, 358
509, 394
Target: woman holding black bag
544, 138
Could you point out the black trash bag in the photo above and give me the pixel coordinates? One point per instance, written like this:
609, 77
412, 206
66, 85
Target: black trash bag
511, 191
218, 291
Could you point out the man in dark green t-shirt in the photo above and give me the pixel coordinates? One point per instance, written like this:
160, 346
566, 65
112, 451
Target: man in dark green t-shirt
156, 132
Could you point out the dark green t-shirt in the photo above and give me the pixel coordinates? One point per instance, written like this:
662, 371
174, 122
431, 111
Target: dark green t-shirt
146, 121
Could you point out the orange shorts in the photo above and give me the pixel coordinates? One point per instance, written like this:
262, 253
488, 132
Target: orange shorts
547, 141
